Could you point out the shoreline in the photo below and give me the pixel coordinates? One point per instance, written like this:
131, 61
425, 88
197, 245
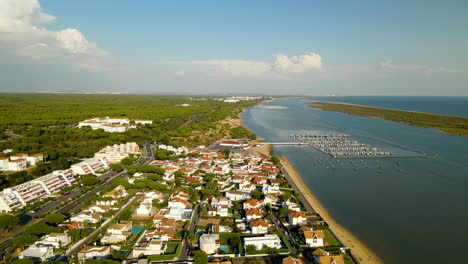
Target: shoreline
452, 125
358, 249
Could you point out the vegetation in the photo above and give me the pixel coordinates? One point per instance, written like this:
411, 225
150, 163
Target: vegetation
55, 218
8, 221
47, 125
242, 132
24, 240
449, 124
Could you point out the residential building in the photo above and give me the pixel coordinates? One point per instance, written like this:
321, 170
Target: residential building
90, 166
314, 238
251, 204
56, 240
93, 252
331, 259
291, 260
29, 192
209, 243
253, 214
107, 124
148, 245
297, 218
271, 241
116, 153
258, 226
38, 253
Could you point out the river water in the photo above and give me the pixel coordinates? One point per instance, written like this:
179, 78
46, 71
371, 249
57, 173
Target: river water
407, 210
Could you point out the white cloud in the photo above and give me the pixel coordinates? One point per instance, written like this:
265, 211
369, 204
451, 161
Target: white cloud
427, 70
283, 67
298, 64
22, 33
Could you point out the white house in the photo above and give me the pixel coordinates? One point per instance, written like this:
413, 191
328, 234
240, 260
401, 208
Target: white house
258, 226
297, 218
38, 253
252, 214
17, 165
271, 241
33, 159
235, 196
56, 240
93, 252
251, 204
209, 243
314, 238
86, 217
149, 245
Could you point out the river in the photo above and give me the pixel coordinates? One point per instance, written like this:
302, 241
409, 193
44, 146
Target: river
407, 210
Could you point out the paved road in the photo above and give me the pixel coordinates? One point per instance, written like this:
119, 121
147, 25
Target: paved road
290, 242
193, 224
304, 201
77, 246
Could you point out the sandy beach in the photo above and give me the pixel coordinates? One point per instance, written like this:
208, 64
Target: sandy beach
359, 250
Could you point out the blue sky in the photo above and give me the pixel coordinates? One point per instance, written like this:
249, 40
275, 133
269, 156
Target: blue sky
274, 47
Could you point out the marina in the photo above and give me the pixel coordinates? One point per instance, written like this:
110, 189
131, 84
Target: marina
340, 145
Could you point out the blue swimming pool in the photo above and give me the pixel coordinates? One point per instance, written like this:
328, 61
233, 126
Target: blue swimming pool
224, 248
136, 230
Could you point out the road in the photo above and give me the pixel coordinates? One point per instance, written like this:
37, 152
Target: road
193, 225
78, 245
290, 242
304, 201
28, 219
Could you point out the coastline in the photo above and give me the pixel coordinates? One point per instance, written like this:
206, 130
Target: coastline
358, 249
453, 125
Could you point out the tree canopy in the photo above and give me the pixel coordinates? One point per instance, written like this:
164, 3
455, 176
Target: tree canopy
8, 221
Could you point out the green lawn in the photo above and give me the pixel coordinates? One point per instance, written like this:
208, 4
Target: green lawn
331, 239
173, 250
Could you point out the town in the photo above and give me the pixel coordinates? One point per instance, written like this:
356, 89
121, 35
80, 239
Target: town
159, 203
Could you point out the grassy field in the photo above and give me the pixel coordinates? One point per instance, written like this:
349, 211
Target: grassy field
448, 124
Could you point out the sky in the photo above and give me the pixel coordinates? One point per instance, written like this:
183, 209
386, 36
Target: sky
361, 47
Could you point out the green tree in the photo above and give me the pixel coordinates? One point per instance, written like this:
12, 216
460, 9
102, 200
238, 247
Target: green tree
24, 240
89, 180
39, 229
200, 257
8, 221
275, 160
192, 239
23, 261
250, 249
256, 194
234, 243
75, 235
126, 161
116, 167
55, 218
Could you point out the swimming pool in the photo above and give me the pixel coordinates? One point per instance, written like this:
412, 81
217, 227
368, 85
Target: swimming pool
136, 230
224, 248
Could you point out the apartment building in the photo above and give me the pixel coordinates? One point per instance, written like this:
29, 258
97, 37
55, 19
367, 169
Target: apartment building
18, 196
90, 166
116, 153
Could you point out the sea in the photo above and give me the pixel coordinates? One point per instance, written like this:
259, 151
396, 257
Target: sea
407, 209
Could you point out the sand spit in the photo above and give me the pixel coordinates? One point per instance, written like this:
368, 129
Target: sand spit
359, 250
